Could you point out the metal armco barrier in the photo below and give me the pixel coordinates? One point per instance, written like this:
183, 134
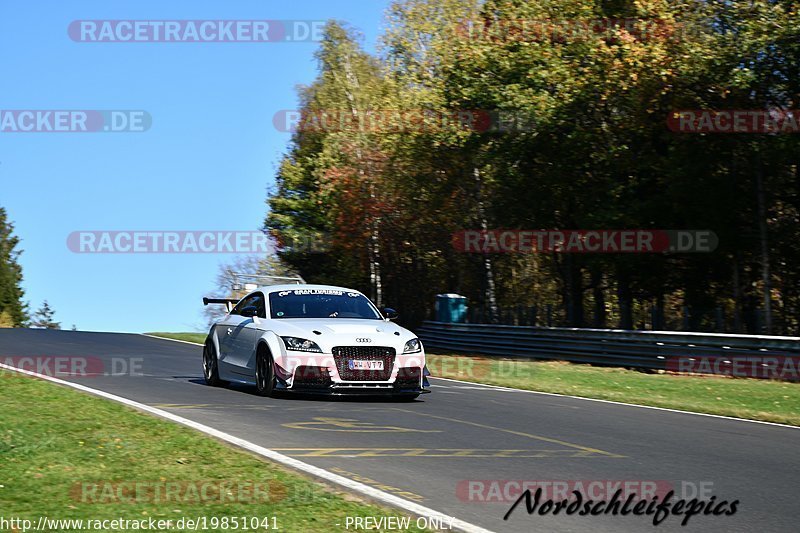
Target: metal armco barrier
633, 349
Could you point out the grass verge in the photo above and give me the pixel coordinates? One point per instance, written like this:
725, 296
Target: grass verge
69, 455
756, 399
199, 338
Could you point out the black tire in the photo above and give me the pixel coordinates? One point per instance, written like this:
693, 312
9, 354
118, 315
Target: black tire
265, 373
211, 366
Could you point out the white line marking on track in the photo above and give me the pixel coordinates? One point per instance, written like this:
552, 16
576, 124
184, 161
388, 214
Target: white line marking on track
373, 493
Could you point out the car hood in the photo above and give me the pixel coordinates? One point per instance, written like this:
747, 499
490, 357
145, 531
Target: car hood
343, 332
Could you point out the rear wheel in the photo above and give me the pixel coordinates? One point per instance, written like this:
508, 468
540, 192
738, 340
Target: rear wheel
265, 373
210, 366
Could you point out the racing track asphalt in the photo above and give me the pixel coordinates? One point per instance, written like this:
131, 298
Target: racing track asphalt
425, 450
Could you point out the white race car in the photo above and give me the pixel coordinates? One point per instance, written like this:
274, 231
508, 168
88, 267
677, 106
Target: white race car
313, 338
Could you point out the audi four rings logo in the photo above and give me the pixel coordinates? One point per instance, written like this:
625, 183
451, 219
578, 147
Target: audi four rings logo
363, 339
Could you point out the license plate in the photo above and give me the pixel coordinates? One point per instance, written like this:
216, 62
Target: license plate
358, 364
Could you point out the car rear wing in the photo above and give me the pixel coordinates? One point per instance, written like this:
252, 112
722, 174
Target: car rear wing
229, 302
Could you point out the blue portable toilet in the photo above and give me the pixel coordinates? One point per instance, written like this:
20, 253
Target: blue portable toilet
451, 308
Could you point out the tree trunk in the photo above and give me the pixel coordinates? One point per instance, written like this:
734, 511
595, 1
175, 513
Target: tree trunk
737, 296
764, 245
490, 296
573, 292
625, 299
658, 323
599, 298
351, 86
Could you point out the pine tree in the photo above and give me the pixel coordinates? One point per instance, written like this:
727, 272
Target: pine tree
12, 309
43, 318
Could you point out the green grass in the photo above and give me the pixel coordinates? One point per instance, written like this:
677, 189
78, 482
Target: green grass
52, 438
199, 338
756, 399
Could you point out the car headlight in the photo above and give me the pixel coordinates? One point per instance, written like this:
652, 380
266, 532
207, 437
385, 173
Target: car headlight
300, 345
413, 346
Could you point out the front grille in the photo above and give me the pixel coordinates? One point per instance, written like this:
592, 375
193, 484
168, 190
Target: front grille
341, 354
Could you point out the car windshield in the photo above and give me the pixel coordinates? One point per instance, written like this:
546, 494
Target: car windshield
321, 303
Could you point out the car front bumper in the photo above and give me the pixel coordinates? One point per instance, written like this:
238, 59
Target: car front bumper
335, 390
324, 385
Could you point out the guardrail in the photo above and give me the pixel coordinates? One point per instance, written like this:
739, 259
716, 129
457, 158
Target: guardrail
635, 349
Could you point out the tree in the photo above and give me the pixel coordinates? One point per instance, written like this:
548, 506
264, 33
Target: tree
332, 176
245, 266
5, 320
12, 309
43, 318
594, 152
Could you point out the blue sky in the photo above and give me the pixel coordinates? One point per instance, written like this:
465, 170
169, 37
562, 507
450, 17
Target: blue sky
205, 164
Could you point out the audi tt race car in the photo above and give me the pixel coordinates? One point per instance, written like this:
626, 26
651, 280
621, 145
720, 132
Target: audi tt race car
313, 338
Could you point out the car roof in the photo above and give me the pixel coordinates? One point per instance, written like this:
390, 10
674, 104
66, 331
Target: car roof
301, 286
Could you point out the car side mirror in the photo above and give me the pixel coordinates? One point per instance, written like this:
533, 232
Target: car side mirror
389, 313
249, 311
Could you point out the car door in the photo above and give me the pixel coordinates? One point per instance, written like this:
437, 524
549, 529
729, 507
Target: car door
243, 337
228, 334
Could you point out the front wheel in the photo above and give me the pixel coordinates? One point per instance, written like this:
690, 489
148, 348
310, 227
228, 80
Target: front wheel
210, 366
265, 374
